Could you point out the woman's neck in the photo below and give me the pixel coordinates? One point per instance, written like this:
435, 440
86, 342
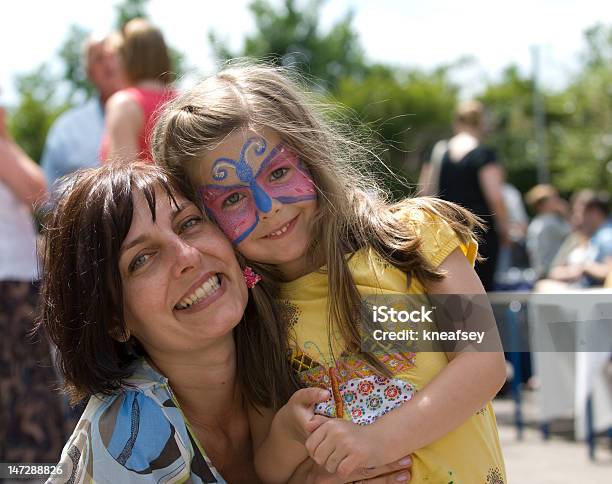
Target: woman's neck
461, 144
205, 384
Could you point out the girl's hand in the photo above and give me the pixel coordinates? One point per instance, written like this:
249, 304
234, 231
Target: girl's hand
342, 447
298, 415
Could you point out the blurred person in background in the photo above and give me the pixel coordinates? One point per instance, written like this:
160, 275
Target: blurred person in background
468, 174
590, 262
144, 60
598, 225
31, 414
567, 264
74, 139
548, 229
518, 220
514, 253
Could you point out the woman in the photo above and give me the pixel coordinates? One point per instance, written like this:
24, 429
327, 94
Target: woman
31, 417
143, 56
468, 174
143, 298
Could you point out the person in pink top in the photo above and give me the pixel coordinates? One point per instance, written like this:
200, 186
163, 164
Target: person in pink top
131, 112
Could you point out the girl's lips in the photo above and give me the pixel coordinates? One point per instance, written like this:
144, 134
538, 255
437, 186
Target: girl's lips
207, 301
289, 228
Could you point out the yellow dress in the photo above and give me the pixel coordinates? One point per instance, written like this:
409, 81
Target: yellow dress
469, 454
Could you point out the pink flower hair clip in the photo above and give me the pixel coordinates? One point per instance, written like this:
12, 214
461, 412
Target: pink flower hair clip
250, 276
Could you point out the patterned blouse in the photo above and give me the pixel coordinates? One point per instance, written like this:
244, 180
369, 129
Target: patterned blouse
137, 435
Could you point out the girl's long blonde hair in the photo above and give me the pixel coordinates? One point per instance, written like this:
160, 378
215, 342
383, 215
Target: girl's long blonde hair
353, 210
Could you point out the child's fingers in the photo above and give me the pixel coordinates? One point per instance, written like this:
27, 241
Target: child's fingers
347, 466
315, 422
324, 451
338, 455
308, 397
314, 440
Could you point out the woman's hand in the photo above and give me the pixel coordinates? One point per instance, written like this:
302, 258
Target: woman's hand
310, 473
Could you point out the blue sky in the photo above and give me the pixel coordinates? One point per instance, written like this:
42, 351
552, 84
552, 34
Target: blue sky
409, 33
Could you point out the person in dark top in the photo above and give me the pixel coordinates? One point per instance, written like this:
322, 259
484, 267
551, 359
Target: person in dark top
470, 175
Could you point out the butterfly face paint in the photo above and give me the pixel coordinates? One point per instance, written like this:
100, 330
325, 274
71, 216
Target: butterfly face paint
281, 176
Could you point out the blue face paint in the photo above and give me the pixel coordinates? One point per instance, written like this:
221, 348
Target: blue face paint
244, 172
282, 176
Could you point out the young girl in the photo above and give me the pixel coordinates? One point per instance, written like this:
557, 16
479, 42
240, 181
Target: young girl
286, 189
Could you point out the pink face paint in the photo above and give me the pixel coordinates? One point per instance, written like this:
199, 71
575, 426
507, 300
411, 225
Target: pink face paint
282, 176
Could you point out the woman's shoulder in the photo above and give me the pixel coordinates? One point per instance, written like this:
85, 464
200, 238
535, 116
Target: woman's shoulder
135, 434
482, 155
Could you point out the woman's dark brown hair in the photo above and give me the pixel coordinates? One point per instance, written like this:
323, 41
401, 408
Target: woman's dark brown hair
82, 303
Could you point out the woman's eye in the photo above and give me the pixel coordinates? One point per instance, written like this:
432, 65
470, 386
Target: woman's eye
139, 261
278, 174
233, 199
191, 222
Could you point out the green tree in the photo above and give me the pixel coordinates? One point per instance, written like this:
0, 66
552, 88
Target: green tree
36, 111
578, 121
510, 103
71, 55
129, 10
582, 136
291, 36
409, 110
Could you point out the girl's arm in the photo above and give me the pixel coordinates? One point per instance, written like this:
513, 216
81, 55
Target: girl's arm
124, 121
464, 386
278, 440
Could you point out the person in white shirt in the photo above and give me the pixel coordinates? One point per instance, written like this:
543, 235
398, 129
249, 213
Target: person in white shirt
31, 414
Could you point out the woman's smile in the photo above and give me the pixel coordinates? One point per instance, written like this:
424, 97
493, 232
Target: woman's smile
207, 290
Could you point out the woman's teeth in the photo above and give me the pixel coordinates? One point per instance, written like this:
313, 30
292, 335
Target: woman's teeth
280, 231
207, 289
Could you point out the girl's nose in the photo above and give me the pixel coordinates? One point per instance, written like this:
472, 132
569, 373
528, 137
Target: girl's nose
276, 206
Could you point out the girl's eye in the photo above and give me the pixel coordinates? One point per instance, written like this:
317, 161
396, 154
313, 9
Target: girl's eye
278, 174
233, 199
139, 261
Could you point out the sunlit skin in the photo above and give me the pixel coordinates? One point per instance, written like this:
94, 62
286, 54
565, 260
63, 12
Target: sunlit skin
270, 231
162, 263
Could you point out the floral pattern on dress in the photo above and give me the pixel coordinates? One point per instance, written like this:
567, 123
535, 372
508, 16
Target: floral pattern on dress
357, 392
372, 404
